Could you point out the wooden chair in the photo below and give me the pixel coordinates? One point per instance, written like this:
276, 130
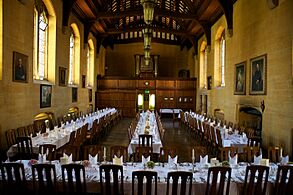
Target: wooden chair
93, 150
226, 151
138, 179
186, 182
145, 140
249, 153
39, 126
13, 178
10, 137
284, 180
44, 183
215, 187
48, 149
76, 185
256, 179
119, 151
25, 149
274, 154
21, 132
111, 172
167, 151
30, 130
74, 150
142, 151
199, 151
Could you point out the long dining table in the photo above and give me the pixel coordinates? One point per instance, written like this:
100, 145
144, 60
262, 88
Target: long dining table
59, 136
146, 118
199, 181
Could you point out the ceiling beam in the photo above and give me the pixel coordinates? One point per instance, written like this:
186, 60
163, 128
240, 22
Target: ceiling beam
227, 6
67, 7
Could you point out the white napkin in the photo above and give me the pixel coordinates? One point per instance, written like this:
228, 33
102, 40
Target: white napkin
172, 160
203, 160
256, 159
284, 160
42, 158
117, 161
233, 160
145, 160
93, 159
68, 157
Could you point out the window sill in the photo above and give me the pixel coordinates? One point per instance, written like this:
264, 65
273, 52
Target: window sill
72, 85
45, 82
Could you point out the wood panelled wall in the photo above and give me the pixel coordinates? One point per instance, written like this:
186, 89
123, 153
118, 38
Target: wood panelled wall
122, 93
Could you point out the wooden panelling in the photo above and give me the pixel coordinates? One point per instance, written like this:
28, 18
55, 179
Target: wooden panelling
122, 93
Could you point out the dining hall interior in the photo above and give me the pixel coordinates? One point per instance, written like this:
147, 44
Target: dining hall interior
166, 96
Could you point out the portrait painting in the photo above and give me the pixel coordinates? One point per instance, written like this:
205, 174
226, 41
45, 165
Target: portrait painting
74, 94
240, 79
45, 96
20, 67
62, 76
90, 95
258, 75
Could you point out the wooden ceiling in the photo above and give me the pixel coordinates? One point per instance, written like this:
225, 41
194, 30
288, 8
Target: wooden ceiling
177, 22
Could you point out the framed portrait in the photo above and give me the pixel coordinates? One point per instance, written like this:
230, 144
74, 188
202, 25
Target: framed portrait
90, 95
83, 81
74, 94
45, 96
62, 76
209, 80
240, 79
20, 67
258, 75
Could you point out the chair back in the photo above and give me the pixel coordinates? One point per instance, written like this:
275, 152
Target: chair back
254, 141
119, 151
48, 149
249, 153
114, 173
145, 140
13, 178
142, 151
167, 151
10, 137
74, 150
74, 181
138, 179
30, 130
221, 187
44, 178
256, 179
21, 132
274, 154
185, 184
93, 150
219, 137
199, 151
225, 152
284, 180
25, 149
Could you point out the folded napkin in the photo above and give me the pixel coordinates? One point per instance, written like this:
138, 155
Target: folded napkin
233, 160
93, 159
257, 159
203, 160
68, 157
42, 158
117, 161
172, 160
145, 160
284, 160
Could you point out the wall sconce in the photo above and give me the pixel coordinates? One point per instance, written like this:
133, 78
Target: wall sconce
148, 10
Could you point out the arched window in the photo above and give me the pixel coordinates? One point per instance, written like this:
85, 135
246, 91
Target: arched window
203, 65
71, 58
74, 55
220, 54
90, 63
44, 41
41, 41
